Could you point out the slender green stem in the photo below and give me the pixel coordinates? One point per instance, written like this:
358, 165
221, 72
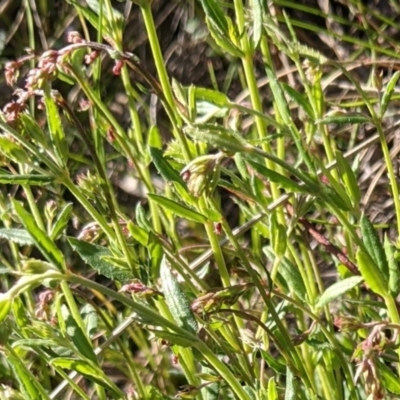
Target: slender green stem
163, 76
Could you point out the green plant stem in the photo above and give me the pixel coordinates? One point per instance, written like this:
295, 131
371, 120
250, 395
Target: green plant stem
331, 338
394, 318
285, 337
99, 218
224, 371
33, 207
391, 174
248, 66
163, 76
147, 313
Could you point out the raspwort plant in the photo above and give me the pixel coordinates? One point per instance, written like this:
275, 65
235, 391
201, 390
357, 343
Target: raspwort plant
257, 254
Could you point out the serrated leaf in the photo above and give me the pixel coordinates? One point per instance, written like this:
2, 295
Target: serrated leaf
371, 273
90, 372
178, 209
93, 255
387, 94
20, 236
338, 289
42, 241
374, 246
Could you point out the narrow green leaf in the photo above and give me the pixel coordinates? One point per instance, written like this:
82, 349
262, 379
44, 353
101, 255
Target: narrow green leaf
178, 209
42, 241
216, 16
374, 246
14, 151
341, 118
57, 135
176, 300
33, 180
154, 139
280, 179
334, 193
33, 130
290, 391
152, 393
278, 236
20, 236
90, 371
61, 221
5, 306
163, 167
388, 92
138, 233
273, 363
394, 274
74, 332
90, 319
93, 255
349, 179
218, 137
299, 99
222, 40
141, 218
212, 96
290, 274
338, 289
28, 383
371, 273
279, 98
257, 12
173, 338
272, 390
390, 380
212, 390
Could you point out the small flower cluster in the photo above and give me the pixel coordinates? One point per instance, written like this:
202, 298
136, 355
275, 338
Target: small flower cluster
46, 68
139, 289
368, 352
202, 174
